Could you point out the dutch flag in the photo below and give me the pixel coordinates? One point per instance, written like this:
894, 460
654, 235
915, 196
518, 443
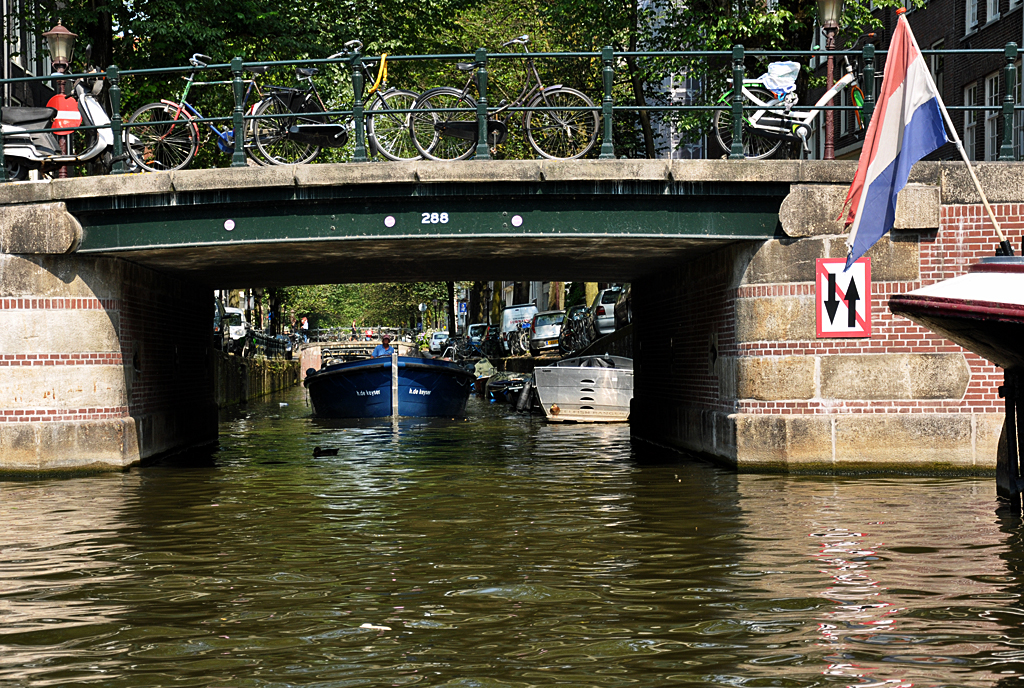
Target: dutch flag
907, 125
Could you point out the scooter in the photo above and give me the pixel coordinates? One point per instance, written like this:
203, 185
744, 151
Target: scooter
24, 151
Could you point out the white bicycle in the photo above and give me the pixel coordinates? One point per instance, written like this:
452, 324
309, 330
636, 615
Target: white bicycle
765, 130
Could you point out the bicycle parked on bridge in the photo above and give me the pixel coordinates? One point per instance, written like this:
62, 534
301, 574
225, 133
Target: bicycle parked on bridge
291, 128
766, 127
165, 136
560, 123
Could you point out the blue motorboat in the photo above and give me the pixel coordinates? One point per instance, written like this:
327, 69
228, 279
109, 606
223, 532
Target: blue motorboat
362, 389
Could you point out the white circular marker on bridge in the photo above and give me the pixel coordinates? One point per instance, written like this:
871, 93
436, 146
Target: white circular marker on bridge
389, 221
517, 220
229, 225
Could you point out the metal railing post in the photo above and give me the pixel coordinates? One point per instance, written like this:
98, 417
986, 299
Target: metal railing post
114, 79
483, 148
736, 152
869, 84
608, 73
238, 156
359, 153
3, 163
1009, 81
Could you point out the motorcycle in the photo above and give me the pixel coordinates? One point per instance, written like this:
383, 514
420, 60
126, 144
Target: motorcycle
24, 151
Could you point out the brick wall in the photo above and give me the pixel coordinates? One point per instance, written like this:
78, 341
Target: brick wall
101, 362
730, 336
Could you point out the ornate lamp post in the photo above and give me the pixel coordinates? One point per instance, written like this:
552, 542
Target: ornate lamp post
829, 12
61, 44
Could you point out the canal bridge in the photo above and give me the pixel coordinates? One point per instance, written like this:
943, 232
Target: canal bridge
105, 283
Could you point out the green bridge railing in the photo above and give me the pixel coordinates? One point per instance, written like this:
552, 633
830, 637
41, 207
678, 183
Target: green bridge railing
607, 108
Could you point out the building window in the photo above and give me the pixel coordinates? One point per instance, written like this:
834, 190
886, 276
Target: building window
991, 10
937, 64
970, 121
972, 15
992, 113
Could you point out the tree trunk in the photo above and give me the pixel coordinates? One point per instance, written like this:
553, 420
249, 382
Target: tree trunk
638, 87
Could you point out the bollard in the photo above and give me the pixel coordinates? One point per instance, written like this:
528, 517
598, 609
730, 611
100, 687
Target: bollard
359, 152
737, 103
1006, 152
114, 79
869, 84
483, 148
238, 156
608, 72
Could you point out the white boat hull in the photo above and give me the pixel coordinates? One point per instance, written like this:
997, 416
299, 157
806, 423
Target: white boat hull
582, 390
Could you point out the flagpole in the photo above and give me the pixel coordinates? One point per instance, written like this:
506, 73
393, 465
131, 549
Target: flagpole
1007, 249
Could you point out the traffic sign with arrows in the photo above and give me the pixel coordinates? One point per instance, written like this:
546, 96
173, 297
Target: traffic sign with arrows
843, 299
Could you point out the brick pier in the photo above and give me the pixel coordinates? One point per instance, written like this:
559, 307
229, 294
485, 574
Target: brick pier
731, 367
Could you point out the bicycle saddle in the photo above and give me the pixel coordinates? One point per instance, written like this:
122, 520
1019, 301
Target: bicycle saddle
255, 69
466, 66
24, 115
306, 71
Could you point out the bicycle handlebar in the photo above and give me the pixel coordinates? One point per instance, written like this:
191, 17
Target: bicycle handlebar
521, 40
200, 60
353, 46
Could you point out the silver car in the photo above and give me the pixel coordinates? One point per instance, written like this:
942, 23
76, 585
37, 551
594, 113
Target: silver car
547, 325
602, 312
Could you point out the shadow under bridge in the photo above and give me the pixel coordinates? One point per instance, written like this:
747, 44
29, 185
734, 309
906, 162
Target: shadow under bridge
613, 220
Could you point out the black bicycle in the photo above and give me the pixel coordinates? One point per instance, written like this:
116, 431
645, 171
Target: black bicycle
560, 123
292, 127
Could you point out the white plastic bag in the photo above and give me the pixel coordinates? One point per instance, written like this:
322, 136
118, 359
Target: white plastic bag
781, 77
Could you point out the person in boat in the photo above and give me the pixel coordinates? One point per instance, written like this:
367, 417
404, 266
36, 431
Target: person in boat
384, 348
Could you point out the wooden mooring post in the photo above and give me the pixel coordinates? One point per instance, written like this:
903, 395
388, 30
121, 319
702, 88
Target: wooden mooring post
1008, 475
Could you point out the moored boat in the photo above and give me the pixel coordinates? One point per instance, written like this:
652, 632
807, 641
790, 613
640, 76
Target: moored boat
982, 310
363, 389
586, 389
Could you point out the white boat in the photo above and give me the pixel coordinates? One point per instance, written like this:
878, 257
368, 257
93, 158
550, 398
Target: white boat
586, 389
982, 311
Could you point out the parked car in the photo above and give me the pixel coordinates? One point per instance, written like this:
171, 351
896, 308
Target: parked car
624, 307
477, 333
513, 318
602, 312
438, 341
238, 330
544, 331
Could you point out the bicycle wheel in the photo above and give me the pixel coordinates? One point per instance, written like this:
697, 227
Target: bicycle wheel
444, 135
755, 146
389, 131
271, 135
562, 134
161, 141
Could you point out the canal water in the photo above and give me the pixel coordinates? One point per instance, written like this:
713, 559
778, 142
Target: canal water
498, 552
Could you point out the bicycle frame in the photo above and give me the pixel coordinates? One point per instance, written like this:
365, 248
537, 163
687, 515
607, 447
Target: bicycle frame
225, 139
791, 124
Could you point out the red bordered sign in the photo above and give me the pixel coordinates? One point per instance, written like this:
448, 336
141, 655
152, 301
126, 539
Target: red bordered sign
843, 299
67, 113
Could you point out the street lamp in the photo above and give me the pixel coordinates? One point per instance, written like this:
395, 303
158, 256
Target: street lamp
829, 12
61, 44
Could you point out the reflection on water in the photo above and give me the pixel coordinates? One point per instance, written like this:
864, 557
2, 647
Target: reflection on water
498, 551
